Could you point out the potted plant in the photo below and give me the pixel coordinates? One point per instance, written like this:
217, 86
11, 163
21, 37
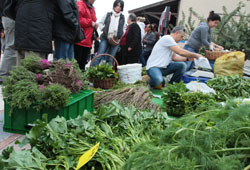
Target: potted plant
102, 76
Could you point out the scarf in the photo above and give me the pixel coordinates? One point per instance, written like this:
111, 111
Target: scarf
89, 5
113, 26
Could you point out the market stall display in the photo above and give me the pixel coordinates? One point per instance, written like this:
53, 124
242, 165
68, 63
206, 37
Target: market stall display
103, 76
41, 86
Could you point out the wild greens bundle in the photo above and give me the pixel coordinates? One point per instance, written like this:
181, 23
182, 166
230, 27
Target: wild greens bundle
177, 100
59, 144
216, 139
40, 83
101, 72
230, 87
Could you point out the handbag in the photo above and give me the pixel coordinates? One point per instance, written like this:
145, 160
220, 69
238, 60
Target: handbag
79, 35
9, 8
95, 35
113, 41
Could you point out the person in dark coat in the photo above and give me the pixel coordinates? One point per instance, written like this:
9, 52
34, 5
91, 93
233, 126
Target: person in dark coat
33, 28
133, 41
66, 29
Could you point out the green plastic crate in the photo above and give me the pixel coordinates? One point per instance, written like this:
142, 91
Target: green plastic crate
20, 120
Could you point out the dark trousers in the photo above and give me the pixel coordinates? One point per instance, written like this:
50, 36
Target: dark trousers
81, 55
120, 55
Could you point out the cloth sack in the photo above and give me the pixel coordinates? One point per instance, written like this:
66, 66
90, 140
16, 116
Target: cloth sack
230, 64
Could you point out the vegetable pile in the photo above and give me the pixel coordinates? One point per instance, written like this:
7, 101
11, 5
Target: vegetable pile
216, 139
40, 83
177, 100
230, 87
59, 144
140, 97
101, 72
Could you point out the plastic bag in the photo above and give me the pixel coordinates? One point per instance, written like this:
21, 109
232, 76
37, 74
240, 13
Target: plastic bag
230, 64
195, 86
202, 62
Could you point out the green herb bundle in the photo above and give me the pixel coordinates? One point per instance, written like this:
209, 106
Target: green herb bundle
177, 100
41, 84
101, 72
216, 139
230, 87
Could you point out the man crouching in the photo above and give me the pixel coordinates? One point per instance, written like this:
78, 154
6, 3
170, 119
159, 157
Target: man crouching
164, 61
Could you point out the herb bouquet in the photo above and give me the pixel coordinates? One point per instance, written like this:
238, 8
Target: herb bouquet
103, 76
41, 84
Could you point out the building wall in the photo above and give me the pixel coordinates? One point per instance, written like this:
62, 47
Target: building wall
203, 7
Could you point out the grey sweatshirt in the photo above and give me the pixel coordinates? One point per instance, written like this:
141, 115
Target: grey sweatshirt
201, 36
150, 41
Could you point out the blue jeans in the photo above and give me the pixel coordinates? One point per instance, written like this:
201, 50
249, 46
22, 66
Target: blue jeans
156, 74
144, 57
63, 50
105, 47
190, 64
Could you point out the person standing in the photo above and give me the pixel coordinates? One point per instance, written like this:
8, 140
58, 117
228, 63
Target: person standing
149, 40
120, 56
133, 41
162, 60
9, 53
140, 21
66, 29
202, 36
154, 29
33, 28
87, 20
113, 27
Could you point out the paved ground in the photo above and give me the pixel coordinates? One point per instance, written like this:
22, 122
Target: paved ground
7, 139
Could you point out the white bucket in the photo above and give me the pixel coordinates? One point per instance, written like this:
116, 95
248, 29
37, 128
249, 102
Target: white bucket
130, 73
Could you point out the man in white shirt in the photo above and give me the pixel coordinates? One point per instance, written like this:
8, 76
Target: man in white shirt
140, 21
164, 61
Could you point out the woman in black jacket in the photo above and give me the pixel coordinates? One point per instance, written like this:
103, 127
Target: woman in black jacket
33, 28
133, 41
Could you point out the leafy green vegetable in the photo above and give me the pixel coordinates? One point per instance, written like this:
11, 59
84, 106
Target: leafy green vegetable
101, 72
216, 139
177, 100
34, 64
55, 96
25, 89
117, 128
230, 87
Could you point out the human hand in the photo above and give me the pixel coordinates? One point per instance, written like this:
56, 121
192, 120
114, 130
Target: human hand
199, 56
2, 34
219, 47
129, 49
96, 26
93, 24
